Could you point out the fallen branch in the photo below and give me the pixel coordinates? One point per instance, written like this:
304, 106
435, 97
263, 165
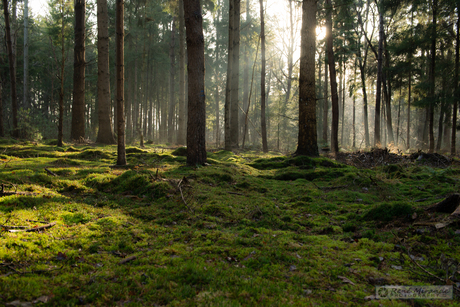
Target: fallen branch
125, 260
25, 229
50, 172
235, 193
182, 196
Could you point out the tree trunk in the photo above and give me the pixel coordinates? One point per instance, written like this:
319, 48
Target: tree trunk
387, 92
172, 69
333, 78
228, 88
307, 141
262, 79
2, 131
78, 106
245, 77
105, 132
61, 90
182, 133
26, 56
378, 94
326, 100
14, 100
121, 152
234, 109
432, 74
196, 127
456, 97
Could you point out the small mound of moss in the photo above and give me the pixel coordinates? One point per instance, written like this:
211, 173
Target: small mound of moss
302, 162
92, 154
135, 150
309, 175
386, 212
181, 151
138, 183
65, 162
52, 142
71, 149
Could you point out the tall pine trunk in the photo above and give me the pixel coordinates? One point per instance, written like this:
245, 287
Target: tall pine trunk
307, 138
333, 78
182, 133
14, 99
196, 126
262, 80
120, 71
456, 96
105, 132
77, 131
234, 106
228, 88
432, 74
378, 94
172, 71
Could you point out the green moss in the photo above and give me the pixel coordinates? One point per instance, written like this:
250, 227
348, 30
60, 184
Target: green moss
181, 151
91, 154
387, 212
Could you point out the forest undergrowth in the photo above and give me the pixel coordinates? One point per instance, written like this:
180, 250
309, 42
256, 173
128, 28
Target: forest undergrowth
246, 229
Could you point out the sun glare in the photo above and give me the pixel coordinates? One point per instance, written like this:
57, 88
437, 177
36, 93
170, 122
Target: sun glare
320, 33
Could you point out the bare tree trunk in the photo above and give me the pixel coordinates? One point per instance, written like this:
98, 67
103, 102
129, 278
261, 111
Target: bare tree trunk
432, 74
245, 77
14, 100
307, 140
378, 95
333, 78
196, 127
77, 131
105, 132
172, 70
121, 152
262, 79
326, 100
182, 133
26, 56
61, 90
228, 88
234, 109
456, 97
387, 92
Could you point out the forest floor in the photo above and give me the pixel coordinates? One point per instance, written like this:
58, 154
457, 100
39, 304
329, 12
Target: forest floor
247, 229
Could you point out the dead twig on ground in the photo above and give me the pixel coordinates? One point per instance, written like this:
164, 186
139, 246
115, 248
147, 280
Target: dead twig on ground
50, 172
182, 195
26, 229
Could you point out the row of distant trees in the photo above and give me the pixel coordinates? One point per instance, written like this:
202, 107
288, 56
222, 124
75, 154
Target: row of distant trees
385, 73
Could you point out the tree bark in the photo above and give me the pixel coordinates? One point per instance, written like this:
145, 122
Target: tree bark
378, 95
228, 88
26, 56
105, 132
234, 109
120, 72
172, 72
14, 99
307, 140
78, 106
326, 99
182, 133
262, 80
333, 77
432, 74
196, 126
61, 89
456, 97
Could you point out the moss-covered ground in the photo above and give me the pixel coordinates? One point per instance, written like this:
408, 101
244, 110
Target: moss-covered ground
247, 229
